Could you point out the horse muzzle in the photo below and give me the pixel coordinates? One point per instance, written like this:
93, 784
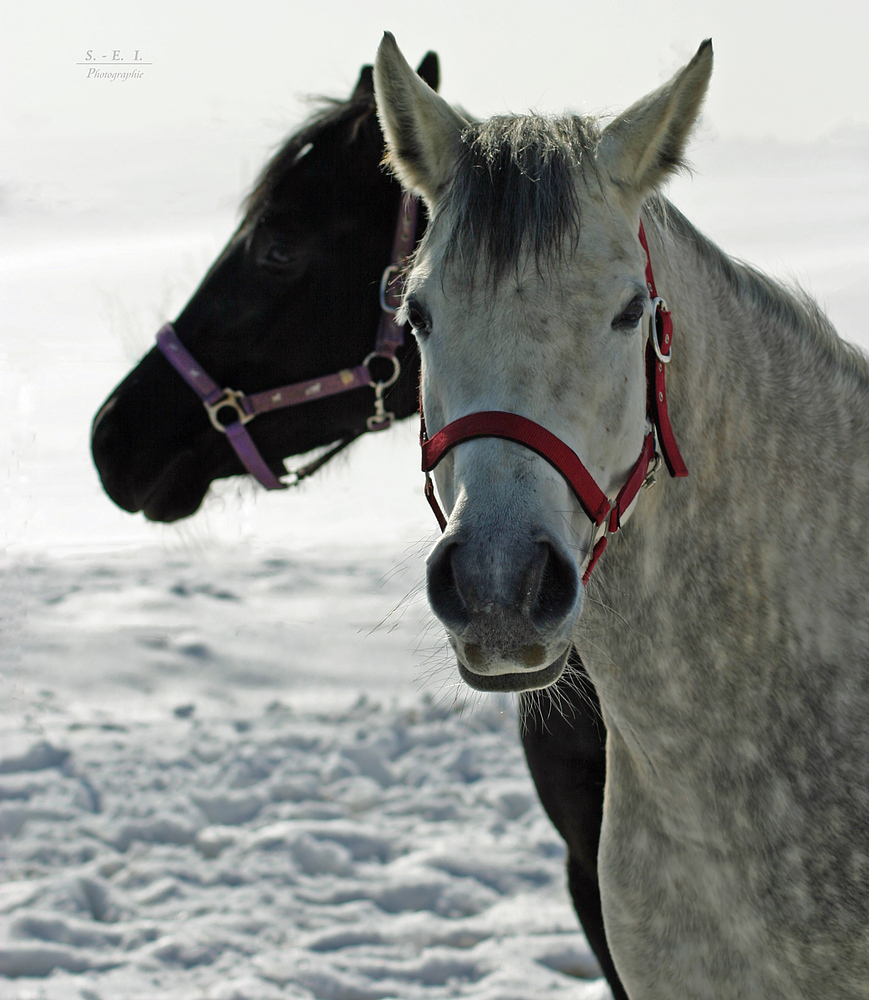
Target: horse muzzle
509, 611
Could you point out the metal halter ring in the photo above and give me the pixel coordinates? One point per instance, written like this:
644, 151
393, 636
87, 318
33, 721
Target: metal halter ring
659, 304
386, 279
232, 399
396, 369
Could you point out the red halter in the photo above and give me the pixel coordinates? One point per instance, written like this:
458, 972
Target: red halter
242, 408
513, 427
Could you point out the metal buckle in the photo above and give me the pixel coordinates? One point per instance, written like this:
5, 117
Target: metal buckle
232, 399
658, 304
389, 273
651, 475
382, 418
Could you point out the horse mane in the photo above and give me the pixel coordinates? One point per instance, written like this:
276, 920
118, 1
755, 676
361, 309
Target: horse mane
786, 307
515, 185
332, 117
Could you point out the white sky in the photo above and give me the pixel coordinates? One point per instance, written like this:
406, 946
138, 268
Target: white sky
783, 68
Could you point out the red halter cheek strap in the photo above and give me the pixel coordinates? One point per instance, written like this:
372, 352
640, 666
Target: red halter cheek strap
658, 355
597, 506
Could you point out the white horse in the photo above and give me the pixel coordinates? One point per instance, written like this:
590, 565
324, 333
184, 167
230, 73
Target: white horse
727, 629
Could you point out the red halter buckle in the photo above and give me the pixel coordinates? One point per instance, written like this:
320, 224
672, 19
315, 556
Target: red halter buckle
599, 509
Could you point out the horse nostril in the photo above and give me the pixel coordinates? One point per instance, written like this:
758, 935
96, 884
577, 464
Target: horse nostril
444, 594
554, 587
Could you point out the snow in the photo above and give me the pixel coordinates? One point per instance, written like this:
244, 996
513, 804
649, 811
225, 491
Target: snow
350, 853
235, 759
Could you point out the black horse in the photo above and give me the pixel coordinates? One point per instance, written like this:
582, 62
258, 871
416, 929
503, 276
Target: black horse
293, 297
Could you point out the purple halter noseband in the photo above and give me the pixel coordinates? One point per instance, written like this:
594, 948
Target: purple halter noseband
242, 408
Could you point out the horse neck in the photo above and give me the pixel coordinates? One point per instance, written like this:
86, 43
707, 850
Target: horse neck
762, 554
763, 392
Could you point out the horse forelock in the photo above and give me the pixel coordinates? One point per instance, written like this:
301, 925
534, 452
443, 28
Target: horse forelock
515, 190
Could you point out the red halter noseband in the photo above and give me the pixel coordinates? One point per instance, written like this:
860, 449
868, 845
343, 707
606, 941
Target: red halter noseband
242, 408
513, 427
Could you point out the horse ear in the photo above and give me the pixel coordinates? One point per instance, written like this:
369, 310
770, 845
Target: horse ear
365, 83
429, 69
422, 131
646, 143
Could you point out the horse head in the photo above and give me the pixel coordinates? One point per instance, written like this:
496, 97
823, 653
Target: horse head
292, 297
530, 301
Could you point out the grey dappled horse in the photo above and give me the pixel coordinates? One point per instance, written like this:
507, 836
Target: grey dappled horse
726, 631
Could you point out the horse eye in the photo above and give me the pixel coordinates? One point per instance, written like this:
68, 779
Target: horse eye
279, 255
631, 316
418, 317
285, 259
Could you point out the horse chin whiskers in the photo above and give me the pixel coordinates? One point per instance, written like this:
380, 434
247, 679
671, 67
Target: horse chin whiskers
540, 704
443, 689
436, 664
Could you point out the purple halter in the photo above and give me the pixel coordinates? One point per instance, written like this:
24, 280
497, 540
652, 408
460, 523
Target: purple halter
242, 408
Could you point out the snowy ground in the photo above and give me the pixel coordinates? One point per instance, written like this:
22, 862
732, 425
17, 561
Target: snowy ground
200, 796
234, 760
